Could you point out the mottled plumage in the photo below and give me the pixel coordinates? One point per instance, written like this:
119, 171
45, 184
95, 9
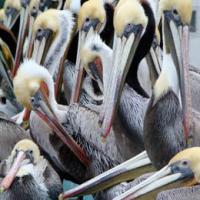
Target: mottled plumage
163, 129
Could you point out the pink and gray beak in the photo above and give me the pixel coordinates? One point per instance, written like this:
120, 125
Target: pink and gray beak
177, 39
79, 70
44, 110
178, 171
24, 19
10, 177
42, 42
126, 171
123, 53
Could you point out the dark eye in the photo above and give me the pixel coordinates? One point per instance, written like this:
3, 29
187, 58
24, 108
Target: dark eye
32, 100
8, 8
34, 8
175, 12
87, 19
31, 151
185, 163
39, 30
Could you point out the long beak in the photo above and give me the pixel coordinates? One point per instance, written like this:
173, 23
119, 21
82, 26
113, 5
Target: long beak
123, 53
24, 14
178, 40
79, 70
30, 37
154, 62
8, 180
41, 45
126, 171
40, 101
161, 178
186, 96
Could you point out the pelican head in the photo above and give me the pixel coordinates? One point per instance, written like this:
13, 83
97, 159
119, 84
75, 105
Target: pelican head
91, 57
72, 5
11, 9
175, 16
34, 7
130, 22
91, 17
28, 81
184, 165
50, 28
96, 57
45, 30
34, 88
92, 14
20, 163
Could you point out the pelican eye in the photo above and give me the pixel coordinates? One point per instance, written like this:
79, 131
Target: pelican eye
39, 30
175, 12
185, 163
132, 28
32, 99
87, 19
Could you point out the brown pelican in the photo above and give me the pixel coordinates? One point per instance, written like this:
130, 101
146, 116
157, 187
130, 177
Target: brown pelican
52, 32
28, 175
12, 10
178, 142
35, 8
128, 34
77, 122
96, 57
183, 168
99, 21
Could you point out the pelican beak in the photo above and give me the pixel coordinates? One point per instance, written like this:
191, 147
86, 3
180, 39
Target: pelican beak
11, 17
168, 174
79, 69
42, 43
44, 110
30, 38
154, 62
9, 178
24, 18
126, 171
177, 39
123, 52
